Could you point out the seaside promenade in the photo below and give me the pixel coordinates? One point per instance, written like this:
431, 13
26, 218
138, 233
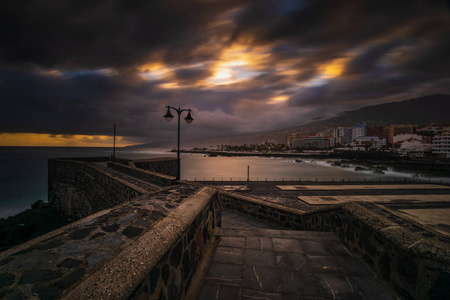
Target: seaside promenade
142, 234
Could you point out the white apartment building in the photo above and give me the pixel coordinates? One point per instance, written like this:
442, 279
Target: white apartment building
441, 144
406, 136
414, 148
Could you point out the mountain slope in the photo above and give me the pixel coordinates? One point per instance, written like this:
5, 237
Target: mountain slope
419, 111
422, 110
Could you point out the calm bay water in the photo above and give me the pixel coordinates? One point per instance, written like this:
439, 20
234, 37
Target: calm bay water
23, 170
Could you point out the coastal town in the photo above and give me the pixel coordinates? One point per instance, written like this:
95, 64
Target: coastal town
406, 140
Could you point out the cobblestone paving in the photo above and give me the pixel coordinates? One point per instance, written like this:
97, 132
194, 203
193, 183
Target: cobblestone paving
48, 267
280, 264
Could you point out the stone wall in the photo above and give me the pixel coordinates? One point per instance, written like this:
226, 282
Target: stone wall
171, 276
78, 189
163, 165
144, 175
412, 259
148, 247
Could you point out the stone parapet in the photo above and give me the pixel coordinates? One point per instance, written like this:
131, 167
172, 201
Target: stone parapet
414, 260
162, 165
144, 175
147, 247
78, 188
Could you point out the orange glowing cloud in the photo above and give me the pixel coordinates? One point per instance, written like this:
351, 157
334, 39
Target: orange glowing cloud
238, 63
334, 69
60, 140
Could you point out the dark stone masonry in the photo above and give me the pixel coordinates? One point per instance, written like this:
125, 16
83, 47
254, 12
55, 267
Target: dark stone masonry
143, 235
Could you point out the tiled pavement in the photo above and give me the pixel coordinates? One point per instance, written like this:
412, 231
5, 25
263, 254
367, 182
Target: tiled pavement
252, 263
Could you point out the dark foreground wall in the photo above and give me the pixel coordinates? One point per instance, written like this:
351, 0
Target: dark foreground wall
413, 260
146, 248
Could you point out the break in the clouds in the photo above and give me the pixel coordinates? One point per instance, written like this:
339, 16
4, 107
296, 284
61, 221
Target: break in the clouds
73, 68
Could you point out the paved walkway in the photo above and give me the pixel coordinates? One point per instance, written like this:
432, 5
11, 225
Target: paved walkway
254, 263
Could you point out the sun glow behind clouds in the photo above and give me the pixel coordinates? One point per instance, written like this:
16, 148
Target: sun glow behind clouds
327, 72
59, 140
238, 63
153, 71
279, 99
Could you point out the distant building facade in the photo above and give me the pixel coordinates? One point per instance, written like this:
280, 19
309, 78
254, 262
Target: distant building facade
395, 129
441, 144
311, 142
373, 142
405, 137
289, 139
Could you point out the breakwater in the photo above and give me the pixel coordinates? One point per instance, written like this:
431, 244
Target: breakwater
151, 244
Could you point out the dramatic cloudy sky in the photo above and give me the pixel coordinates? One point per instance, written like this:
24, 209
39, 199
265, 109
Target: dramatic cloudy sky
70, 69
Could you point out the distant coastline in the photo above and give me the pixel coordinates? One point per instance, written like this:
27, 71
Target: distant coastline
420, 167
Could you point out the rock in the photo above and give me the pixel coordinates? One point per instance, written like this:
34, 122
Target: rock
40, 204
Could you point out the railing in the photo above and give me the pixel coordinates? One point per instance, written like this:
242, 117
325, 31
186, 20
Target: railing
319, 179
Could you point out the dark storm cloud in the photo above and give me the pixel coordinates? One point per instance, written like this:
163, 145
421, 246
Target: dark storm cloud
75, 66
324, 30
89, 103
191, 75
95, 34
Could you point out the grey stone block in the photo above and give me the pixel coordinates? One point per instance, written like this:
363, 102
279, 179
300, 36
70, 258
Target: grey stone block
248, 294
315, 248
232, 241
339, 286
224, 274
300, 284
229, 255
287, 245
259, 258
261, 279
292, 261
325, 264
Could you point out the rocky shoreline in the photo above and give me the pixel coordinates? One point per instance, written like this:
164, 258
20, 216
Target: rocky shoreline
29, 224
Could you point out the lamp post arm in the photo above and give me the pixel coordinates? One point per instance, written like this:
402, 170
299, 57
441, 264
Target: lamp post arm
178, 110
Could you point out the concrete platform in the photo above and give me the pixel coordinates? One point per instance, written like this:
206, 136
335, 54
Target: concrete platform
280, 264
361, 187
437, 218
410, 199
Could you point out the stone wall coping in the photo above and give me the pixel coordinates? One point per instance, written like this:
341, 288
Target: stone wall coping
56, 232
153, 159
265, 203
430, 248
120, 276
408, 241
168, 177
85, 159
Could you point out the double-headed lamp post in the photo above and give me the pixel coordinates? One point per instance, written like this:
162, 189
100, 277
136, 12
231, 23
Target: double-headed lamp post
188, 120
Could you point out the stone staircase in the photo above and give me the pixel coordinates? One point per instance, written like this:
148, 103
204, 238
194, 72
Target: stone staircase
252, 261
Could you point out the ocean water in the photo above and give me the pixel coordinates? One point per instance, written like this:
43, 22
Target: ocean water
23, 170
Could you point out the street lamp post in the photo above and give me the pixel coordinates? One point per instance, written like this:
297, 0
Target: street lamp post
188, 120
